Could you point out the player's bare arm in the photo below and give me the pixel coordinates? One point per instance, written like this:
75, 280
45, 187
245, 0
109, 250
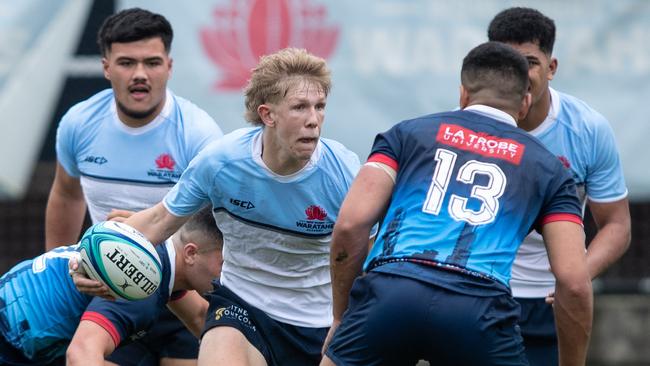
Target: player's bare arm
65, 210
156, 223
613, 237
363, 206
90, 344
573, 304
191, 309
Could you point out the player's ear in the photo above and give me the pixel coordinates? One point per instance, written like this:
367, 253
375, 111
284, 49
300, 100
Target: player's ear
265, 113
464, 97
105, 65
190, 253
525, 106
552, 68
170, 68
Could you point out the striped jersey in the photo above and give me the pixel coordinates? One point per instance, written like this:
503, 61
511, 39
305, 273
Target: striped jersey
129, 168
470, 186
276, 229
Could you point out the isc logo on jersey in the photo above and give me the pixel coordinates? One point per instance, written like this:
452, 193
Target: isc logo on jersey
122, 258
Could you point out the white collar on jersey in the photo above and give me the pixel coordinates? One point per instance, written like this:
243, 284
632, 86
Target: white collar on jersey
171, 252
551, 117
160, 118
256, 151
492, 112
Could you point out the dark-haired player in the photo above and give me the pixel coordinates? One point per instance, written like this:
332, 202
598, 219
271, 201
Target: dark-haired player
124, 148
583, 140
458, 191
40, 308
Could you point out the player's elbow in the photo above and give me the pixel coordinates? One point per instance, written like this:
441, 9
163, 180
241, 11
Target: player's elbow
82, 352
575, 285
352, 227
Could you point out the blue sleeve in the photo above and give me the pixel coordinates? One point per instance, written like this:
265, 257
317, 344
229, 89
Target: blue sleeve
604, 180
560, 200
388, 143
122, 318
191, 191
65, 144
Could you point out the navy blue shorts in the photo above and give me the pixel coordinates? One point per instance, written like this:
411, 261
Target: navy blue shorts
537, 324
395, 320
281, 344
168, 337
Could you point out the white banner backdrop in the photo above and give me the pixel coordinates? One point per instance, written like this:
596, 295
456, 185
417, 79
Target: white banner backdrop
395, 59
36, 40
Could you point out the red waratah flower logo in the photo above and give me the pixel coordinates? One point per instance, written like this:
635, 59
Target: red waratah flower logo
248, 29
314, 212
165, 161
565, 161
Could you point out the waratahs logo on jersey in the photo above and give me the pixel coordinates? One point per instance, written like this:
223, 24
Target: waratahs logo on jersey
315, 221
314, 212
244, 30
164, 170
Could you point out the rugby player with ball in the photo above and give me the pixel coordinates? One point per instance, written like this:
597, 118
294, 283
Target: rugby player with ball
92, 326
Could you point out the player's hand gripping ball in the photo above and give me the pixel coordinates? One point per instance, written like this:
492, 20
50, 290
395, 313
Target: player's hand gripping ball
122, 258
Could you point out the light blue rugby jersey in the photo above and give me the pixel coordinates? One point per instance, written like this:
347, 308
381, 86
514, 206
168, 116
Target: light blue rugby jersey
130, 168
584, 142
277, 229
41, 308
38, 319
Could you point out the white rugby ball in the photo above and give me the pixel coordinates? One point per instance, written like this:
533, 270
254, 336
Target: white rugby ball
122, 258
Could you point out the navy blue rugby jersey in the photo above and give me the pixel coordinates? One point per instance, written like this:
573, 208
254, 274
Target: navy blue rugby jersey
470, 185
128, 320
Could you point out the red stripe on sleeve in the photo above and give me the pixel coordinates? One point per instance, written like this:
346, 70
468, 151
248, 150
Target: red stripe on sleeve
560, 217
103, 322
384, 159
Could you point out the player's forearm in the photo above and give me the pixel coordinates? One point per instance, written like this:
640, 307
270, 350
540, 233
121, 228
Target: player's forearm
155, 223
573, 308
191, 310
63, 220
349, 250
609, 244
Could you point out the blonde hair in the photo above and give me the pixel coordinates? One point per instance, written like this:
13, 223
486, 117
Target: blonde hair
276, 73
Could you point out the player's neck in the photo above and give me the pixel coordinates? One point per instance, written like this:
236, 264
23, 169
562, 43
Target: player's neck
134, 121
278, 160
537, 113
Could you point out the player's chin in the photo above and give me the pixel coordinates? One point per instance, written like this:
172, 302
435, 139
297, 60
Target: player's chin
304, 151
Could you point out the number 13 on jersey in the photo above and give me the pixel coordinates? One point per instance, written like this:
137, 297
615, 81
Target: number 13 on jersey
488, 194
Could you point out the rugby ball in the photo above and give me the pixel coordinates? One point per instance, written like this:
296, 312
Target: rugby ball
122, 258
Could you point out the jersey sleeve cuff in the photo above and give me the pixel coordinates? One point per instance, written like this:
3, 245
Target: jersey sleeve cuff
164, 202
384, 159
560, 217
103, 322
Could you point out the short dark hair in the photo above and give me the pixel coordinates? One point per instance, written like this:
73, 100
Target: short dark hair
132, 25
202, 230
521, 25
498, 69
